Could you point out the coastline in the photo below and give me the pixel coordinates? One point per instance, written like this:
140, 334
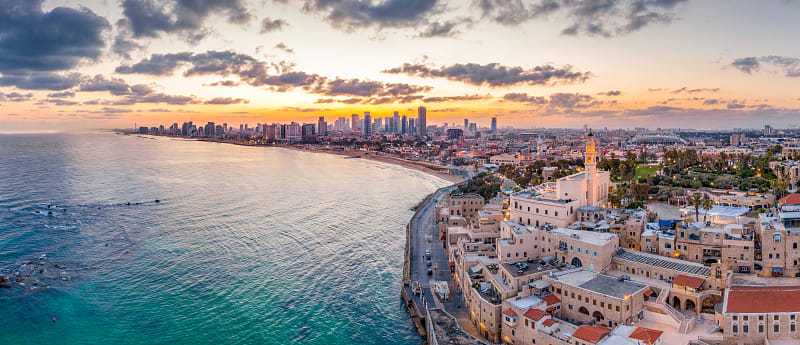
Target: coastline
428, 168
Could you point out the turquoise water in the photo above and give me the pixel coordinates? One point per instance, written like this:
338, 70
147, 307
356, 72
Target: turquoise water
246, 246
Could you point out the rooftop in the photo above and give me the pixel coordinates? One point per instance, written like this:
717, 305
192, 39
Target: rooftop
663, 262
447, 331
762, 299
600, 283
591, 237
592, 334
613, 286
523, 268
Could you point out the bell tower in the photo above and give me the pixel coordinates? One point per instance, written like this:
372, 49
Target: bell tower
590, 162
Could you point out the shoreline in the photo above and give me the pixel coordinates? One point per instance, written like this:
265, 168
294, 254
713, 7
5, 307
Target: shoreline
428, 168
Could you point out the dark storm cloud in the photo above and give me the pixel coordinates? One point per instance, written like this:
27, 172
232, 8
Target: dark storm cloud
226, 100
269, 25
15, 97
151, 18
357, 14
495, 74
789, 65
525, 98
588, 17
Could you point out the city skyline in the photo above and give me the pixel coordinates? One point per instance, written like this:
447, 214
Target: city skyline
659, 63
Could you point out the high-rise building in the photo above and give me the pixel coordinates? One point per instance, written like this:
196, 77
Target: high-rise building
209, 130
494, 125
367, 127
396, 122
404, 125
466, 124
308, 132
422, 122
412, 126
355, 122
322, 126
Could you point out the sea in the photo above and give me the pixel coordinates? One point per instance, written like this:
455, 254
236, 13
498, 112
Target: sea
126, 239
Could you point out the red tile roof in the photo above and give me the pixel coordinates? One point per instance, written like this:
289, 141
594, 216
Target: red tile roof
646, 335
549, 322
509, 312
692, 282
535, 314
592, 334
551, 299
791, 199
763, 299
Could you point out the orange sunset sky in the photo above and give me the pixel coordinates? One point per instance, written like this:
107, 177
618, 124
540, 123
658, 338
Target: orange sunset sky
67, 65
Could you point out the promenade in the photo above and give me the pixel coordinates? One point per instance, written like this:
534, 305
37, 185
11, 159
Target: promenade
423, 236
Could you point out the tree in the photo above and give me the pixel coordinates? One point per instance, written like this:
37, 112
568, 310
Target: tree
696, 201
707, 205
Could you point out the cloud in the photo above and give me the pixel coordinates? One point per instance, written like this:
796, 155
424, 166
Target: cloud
366, 88
495, 74
15, 97
455, 98
711, 101
269, 25
279, 76
688, 90
40, 80
569, 101
604, 18
227, 83
226, 101
115, 86
151, 18
62, 94
525, 98
448, 28
357, 14
284, 47
611, 93
124, 44
790, 66
34, 40
557, 102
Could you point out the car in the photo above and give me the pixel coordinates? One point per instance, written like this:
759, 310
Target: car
430, 272
428, 263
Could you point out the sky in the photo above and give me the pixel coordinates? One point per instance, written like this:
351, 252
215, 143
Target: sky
703, 64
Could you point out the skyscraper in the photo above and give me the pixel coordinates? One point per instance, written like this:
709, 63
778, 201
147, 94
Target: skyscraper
355, 123
396, 122
494, 125
422, 122
322, 126
367, 128
404, 125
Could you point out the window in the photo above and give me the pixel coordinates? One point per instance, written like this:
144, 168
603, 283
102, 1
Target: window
776, 328
761, 328
776, 318
735, 328
746, 328
735, 317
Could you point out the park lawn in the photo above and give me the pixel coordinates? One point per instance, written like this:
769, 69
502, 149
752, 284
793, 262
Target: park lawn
645, 171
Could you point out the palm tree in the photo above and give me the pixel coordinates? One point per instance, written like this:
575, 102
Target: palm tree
780, 186
707, 205
697, 202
